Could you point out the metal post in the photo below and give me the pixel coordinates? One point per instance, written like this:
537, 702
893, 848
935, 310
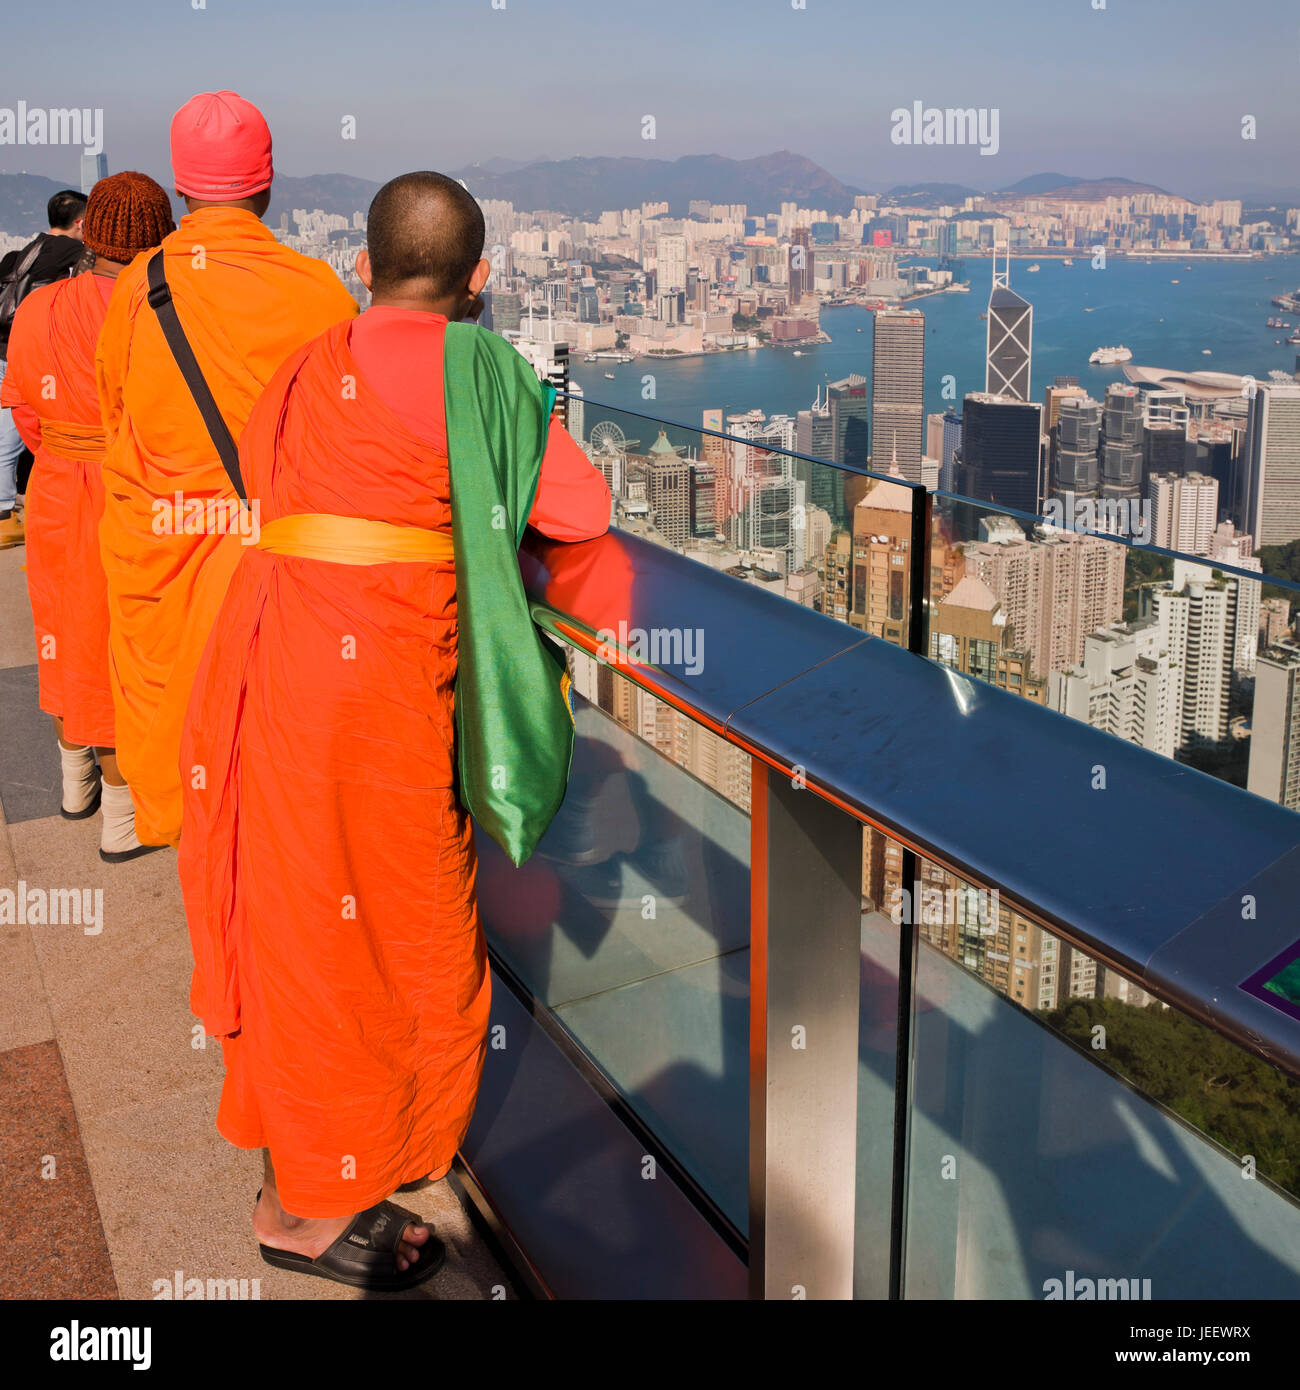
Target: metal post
919, 578
917, 641
805, 949
903, 1042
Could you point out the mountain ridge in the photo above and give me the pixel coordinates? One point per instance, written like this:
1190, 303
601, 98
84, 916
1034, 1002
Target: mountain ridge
586, 186
583, 186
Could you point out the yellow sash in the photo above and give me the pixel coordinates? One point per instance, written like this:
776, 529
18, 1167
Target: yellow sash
352, 540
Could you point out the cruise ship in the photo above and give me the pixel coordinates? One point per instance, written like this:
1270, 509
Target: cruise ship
1104, 356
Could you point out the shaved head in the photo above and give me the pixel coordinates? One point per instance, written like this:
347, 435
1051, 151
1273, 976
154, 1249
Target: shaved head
424, 227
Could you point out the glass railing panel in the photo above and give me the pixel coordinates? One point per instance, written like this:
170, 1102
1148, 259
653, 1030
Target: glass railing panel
755, 481
1068, 1127
1168, 653
744, 497
631, 922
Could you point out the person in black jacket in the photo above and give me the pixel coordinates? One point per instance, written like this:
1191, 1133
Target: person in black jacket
57, 253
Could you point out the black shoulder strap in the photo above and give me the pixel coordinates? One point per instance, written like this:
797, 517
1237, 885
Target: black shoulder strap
160, 301
26, 260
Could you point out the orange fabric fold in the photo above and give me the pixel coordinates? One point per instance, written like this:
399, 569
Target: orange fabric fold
246, 303
51, 371
327, 866
73, 441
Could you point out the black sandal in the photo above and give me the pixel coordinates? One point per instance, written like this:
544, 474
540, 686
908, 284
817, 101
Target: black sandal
364, 1256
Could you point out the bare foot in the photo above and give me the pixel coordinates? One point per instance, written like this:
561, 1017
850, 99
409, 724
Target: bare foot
312, 1236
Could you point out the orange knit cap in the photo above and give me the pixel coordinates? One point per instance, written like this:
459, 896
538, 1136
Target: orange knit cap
127, 213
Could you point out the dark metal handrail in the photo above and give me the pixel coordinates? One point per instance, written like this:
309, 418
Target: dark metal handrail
1147, 872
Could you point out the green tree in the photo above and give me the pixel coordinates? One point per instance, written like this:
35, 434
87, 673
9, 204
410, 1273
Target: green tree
1229, 1095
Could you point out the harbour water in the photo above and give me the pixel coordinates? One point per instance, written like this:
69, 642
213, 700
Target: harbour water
1219, 305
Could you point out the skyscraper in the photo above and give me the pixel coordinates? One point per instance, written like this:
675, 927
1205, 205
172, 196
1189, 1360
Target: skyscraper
1272, 491
801, 264
668, 491
934, 435
93, 168
670, 253
1230, 547
763, 493
815, 435
1274, 621
1184, 511
1197, 615
550, 360
704, 482
1165, 420
1010, 337
714, 453
1054, 589
849, 411
1064, 388
948, 451
1078, 436
898, 391
1002, 451
1121, 443
968, 631
1275, 725
882, 575
1124, 685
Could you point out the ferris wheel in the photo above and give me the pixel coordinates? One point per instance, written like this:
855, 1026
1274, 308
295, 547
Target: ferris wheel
607, 438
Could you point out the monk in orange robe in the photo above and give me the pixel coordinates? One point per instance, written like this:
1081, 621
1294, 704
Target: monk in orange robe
50, 386
172, 530
327, 864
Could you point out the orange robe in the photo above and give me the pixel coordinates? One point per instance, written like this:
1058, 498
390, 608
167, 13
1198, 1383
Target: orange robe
50, 384
246, 303
327, 866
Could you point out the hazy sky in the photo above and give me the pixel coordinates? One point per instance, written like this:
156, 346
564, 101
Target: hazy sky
1145, 89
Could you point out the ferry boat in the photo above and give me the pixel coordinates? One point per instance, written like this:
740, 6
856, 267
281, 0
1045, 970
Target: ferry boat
1105, 356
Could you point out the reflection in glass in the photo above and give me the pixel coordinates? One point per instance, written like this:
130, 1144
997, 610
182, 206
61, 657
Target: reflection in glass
631, 923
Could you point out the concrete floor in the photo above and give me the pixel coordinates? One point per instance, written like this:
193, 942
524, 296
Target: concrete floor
114, 1177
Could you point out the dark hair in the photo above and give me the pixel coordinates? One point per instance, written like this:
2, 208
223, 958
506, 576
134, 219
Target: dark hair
424, 226
64, 208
